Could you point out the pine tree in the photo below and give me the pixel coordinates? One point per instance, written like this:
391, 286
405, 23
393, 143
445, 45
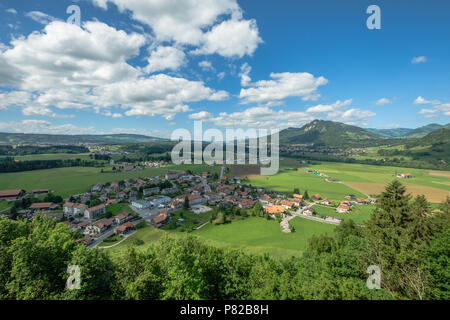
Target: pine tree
306, 195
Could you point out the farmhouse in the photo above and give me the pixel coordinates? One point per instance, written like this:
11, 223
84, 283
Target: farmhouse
160, 220
40, 192
404, 175
346, 203
11, 195
326, 202
43, 206
309, 212
124, 229
96, 211
361, 201
316, 197
343, 208
373, 200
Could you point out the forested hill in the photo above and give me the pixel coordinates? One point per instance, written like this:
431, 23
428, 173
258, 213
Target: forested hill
330, 134
50, 139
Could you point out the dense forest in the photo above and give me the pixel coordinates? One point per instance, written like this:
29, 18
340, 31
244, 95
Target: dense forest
409, 243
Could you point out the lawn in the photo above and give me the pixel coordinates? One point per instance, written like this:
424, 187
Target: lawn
119, 208
68, 181
359, 213
258, 235
191, 220
5, 204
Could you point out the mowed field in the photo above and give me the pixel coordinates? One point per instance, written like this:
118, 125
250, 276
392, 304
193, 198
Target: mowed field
68, 181
253, 235
287, 179
372, 180
258, 235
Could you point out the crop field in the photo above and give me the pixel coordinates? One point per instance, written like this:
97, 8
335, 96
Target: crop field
286, 180
68, 181
371, 180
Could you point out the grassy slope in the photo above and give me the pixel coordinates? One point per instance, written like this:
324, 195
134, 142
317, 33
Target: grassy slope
254, 235
259, 235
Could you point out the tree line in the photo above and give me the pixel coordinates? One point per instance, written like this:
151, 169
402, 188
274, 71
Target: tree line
407, 240
9, 165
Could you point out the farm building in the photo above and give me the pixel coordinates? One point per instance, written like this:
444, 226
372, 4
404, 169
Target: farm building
343, 208
11, 195
124, 229
43, 206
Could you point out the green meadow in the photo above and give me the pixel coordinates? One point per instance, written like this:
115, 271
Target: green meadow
258, 235
253, 235
286, 180
380, 174
68, 181
359, 213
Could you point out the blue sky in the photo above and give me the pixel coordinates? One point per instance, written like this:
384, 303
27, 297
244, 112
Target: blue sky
154, 66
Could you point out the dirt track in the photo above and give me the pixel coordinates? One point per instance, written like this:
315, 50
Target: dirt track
439, 173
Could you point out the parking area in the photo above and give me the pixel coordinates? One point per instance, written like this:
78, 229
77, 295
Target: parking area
199, 209
146, 214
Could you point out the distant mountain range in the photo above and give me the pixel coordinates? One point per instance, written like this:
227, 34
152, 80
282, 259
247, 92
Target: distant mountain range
336, 134
409, 133
318, 133
50, 139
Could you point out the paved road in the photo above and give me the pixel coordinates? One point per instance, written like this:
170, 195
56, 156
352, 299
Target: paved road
147, 214
221, 171
107, 234
299, 213
205, 185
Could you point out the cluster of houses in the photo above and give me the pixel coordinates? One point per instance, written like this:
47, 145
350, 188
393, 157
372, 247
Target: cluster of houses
167, 194
346, 205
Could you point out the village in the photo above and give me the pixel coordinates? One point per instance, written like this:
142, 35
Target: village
154, 199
